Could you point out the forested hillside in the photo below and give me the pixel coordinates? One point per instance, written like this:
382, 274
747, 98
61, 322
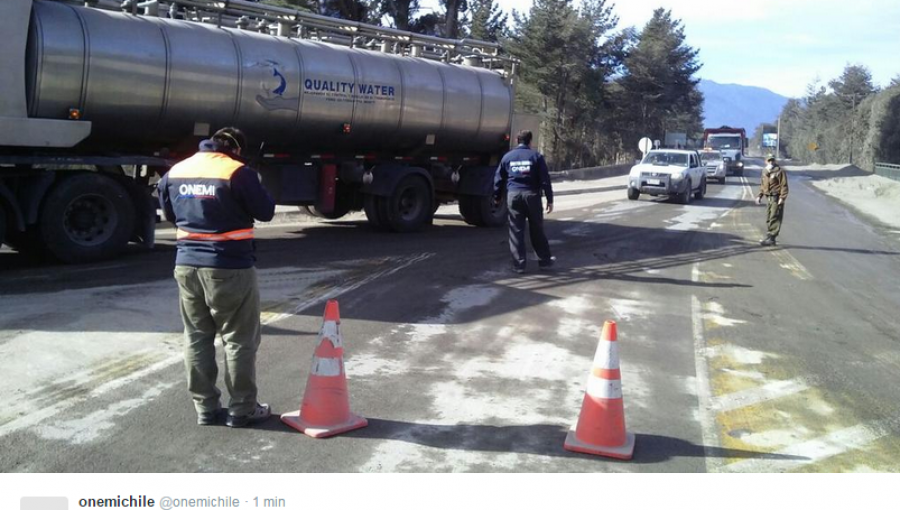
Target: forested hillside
848, 121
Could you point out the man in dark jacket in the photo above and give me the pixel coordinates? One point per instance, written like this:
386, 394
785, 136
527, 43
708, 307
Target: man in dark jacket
524, 174
213, 198
774, 186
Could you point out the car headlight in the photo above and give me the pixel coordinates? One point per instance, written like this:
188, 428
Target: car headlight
677, 177
740, 164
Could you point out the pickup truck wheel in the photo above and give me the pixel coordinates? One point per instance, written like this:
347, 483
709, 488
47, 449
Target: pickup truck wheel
701, 191
87, 217
409, 207
685, 196
633, 194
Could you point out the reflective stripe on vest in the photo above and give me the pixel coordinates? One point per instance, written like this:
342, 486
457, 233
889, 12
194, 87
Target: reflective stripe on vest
209, 166
234, 235
206, 165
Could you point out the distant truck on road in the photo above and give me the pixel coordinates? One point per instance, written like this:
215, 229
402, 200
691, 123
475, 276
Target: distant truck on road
731, 143
99, 98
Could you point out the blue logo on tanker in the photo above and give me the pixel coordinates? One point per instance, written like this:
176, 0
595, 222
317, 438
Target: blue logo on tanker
273, 87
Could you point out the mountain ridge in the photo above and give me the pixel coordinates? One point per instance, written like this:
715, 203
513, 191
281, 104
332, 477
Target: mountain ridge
729, 104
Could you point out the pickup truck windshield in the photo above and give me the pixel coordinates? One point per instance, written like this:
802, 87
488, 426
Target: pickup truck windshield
666, 158
710, 156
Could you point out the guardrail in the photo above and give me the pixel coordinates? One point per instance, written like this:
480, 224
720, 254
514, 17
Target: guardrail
597, 172
888, 170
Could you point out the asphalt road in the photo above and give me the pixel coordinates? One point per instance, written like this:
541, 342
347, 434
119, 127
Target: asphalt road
734, 357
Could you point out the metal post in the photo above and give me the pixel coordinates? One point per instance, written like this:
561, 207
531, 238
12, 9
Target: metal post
778, 139
852, 126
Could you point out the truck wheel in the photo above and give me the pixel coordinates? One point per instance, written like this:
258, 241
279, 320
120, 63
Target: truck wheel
372, 207
2, 224
409, 207
481, 211
633, 194
87, 217
342, 204
701, 191
685, 196
467, 209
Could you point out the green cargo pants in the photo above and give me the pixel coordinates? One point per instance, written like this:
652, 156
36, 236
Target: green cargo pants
224, 302
775, 215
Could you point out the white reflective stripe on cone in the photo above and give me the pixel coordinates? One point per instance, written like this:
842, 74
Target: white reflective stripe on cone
602, 388
326, 367
607, 355
332, 332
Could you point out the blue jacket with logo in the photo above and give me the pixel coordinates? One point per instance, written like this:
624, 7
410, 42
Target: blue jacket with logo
213, 199
523, 169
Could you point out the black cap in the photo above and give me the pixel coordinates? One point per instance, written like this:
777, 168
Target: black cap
231, 138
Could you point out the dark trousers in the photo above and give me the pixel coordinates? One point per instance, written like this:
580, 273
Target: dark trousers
526, 205
775, 213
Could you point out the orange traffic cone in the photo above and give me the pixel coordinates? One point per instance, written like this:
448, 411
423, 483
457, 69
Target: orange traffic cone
326, 404
601, 424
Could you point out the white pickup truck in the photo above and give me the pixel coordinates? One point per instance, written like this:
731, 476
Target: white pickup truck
676, 173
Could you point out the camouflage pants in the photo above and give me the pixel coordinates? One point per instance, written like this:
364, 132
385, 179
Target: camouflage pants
774, 217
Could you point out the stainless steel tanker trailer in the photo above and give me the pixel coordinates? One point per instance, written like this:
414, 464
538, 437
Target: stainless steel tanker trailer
98, 98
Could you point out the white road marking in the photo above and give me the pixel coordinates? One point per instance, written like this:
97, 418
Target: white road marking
35, 416
815, 450
338, 291
86, 429
78, 335
753, 396
707, 413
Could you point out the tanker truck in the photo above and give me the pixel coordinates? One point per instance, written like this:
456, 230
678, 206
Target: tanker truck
99, 98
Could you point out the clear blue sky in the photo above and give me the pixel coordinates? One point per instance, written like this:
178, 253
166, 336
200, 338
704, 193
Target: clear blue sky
781, 45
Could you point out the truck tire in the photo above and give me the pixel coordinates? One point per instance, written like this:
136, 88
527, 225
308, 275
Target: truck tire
87, 217
409, 208
342, 205
633, 194
701, 191
372, 208
685, 196
467, 211
2, 224
481, 211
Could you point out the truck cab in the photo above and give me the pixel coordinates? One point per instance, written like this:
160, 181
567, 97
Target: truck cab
731, 143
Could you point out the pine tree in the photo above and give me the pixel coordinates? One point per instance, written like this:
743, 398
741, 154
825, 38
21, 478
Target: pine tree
563, 73
453, 9
354, 10
659, 81
488, 22
854, 85
400, 12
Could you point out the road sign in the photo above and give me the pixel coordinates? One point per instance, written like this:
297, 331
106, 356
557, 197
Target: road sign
645, 145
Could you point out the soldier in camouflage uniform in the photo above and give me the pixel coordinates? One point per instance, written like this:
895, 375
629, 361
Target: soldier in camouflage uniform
774, 187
